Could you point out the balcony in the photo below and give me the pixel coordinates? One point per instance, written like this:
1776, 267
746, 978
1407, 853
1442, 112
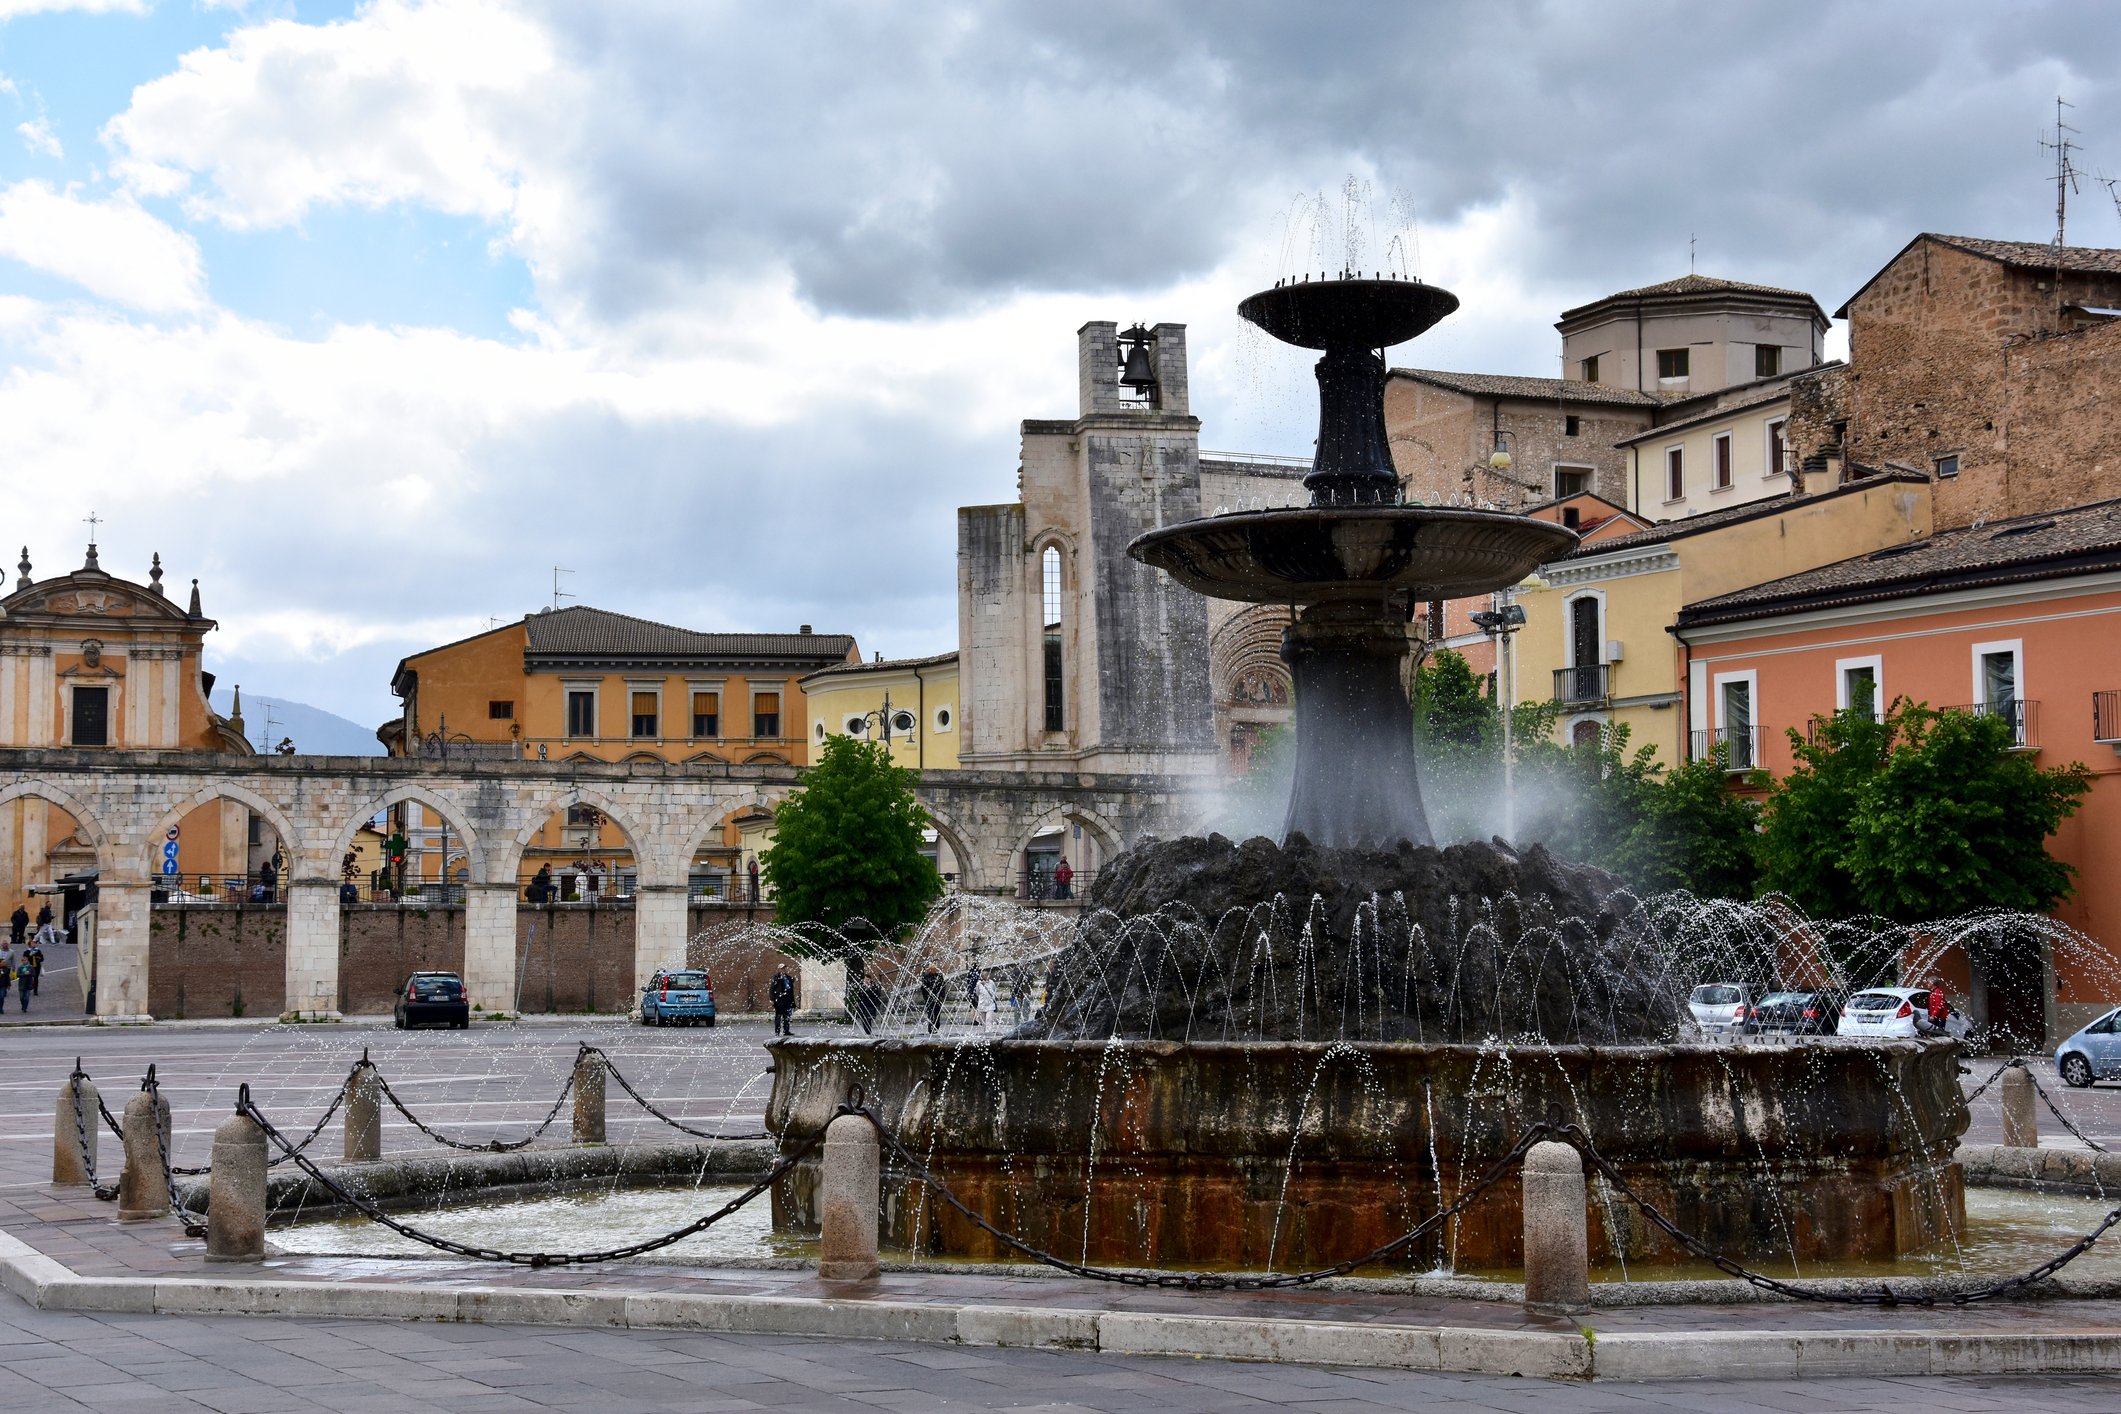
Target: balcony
1039, 886
1582, 685
2023, 716
1741, 747
2106, 717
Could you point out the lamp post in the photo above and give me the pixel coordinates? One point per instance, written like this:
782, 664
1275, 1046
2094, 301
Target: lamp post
1501, 623
888, 720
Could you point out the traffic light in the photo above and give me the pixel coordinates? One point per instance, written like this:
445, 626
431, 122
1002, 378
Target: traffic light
395, 847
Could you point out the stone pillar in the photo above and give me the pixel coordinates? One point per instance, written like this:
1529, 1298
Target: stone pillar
589, 1097
659, 930
849, 1199
235, 1212
2021, 1125
143, 1188
312, 950
121, 952
364, 1116
1557, 1247
821, 985
490, 947
74, 1134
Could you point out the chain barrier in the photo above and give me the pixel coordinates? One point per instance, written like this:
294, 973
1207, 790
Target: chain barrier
646, 1104
369, 1210
490, 1146
194, 1225
2021, 1063
106, 1192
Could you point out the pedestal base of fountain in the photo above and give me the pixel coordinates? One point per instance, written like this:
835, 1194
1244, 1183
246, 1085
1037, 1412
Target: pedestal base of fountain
1294, 1155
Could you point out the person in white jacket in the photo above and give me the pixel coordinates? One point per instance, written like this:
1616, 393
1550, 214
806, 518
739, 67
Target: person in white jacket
986, 996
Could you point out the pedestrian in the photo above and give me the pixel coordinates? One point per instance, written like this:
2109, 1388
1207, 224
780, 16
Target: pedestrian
47, 936
541, 885
1940, 1005
1064, 880
268, 882
754, 881
781, 992
1019, 1000
7, 974
985, 998
17, 926
932, 988
972, 985
34, 957
26, 982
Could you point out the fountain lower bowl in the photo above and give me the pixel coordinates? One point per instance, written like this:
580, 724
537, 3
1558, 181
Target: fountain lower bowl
1293, 1155
1311, 554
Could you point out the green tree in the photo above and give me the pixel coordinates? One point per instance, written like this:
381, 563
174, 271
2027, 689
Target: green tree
847, 847
1691, 830
1924, 815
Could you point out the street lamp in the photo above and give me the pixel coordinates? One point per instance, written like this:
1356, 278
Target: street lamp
1501, 623
887, 721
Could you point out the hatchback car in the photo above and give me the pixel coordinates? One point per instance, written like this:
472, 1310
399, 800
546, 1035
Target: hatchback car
1720, 1008
1794, 1014
683, 998
433, 997
2093, 1053
1884, 1011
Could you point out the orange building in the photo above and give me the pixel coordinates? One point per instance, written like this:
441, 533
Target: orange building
586, 684
92, 662
2018, 618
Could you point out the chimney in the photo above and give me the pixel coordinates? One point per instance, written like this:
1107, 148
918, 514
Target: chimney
805, 628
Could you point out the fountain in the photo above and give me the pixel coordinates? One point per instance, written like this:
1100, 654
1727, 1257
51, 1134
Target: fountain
1283, 1054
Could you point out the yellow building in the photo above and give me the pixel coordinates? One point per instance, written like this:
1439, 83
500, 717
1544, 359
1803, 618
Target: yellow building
92, 662
919, 695
1595, 637
586, 684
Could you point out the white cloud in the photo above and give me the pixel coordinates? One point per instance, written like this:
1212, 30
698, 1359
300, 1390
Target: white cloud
38, 137
393, 105
111, 248
11, 8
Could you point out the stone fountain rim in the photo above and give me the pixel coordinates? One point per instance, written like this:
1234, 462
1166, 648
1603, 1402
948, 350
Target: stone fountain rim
1160, 1047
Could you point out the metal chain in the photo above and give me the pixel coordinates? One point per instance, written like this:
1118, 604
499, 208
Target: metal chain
491, 1146
2020, 1063
245, 1106
106, 1192
646, 1104
193, 1225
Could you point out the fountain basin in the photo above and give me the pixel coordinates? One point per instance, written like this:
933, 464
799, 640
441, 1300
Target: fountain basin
1292, 1155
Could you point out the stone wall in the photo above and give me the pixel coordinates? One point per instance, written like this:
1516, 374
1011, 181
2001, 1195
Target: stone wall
207, 962
1438, 434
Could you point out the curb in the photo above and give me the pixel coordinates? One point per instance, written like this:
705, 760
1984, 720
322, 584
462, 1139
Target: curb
865, 1315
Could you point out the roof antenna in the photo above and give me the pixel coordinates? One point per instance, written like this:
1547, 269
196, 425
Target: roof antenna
558, 593
1690, 253
2065, 183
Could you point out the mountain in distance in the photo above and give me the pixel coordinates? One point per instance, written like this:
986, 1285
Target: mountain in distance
314, 731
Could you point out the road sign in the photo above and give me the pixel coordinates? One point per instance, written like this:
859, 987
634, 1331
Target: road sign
169, 866
169, 852
171, 834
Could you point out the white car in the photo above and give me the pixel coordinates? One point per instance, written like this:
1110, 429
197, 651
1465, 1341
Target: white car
1891, 1011
1720, 1008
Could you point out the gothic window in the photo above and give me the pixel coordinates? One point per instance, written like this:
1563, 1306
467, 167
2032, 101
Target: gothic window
1050, 597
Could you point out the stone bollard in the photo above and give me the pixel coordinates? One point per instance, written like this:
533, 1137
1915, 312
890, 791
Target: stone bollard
235, 1205
850, 1195
589, 1097
143, 1188
364, 1115
1557, 1275
74, 1129
2021, 1126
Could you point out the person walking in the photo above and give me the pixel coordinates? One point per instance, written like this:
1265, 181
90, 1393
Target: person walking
1019, 1000
25, 982
984, 999
7, 974
33, 958
18, 926
932, 988
47, 936
781, 992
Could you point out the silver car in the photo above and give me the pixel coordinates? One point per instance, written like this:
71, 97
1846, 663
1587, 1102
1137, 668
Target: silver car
2093, 1053
1720, 1008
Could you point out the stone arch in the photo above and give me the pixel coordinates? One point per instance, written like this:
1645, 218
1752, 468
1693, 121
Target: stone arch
1110, 841
766, 758
702, 830
99, 838
959, 839
300, 846
648, 863
474, 847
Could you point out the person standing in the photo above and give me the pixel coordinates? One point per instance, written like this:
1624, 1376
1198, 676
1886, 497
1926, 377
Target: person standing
18, 926
932, 988
268, 881
781, 992
1064, 880
25, 982
33, 959
7, 973
984, 996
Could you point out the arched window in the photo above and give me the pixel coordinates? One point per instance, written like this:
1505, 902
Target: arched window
1050, 586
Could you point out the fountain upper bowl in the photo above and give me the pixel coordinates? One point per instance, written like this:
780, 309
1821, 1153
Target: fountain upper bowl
1312, 554
1352, 313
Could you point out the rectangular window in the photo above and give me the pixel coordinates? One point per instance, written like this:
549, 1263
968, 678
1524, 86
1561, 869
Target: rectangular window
1767, 360
1571, 480
1859, 689
1590, 369
706, 714
1675, 473
766, 715
1055, 718
581, 711
1774, 456
1720, 460
644, 714
1999, 679
1672, 363
1999, 686
500, 711
1570, 426
1736, 704
92, 716
1947, 467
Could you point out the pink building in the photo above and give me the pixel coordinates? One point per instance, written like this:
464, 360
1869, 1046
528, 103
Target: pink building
2019, 618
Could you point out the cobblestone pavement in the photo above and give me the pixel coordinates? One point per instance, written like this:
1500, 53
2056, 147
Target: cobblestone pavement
68, 1360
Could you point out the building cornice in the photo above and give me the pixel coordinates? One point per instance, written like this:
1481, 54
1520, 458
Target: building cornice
1621, 564
1870, 611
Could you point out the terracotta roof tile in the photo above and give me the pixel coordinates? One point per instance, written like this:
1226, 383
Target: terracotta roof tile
1504, 385
581, 631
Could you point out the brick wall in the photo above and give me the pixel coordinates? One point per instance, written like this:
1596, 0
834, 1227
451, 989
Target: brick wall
380, 945
204, 962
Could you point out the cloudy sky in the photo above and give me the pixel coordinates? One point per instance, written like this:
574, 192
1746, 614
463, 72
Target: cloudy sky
370, 315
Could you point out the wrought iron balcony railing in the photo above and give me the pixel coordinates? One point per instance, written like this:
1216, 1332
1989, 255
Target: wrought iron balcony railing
1587, 682
1741, 747
2106, 717
2023, 717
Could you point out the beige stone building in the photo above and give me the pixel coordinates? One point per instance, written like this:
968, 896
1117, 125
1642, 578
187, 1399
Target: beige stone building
1692, 335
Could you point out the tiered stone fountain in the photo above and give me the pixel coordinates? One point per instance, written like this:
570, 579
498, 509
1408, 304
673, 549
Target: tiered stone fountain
1285, 1054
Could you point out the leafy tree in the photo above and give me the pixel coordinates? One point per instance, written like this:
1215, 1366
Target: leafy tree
1924, 815
847, 848
1691, 831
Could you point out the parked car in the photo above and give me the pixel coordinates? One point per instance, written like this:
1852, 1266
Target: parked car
1720, 1007
1794, 1014
1892, 1011
433, 996
684, 997
2093, 1053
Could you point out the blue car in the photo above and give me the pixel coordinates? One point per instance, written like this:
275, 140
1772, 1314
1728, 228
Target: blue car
678, 998
2093, 1053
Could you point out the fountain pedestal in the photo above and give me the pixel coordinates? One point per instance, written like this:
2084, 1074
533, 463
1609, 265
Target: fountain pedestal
1355, 773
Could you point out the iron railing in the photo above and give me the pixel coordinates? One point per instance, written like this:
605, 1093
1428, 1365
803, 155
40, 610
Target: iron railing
1741, 747
2023, 717
1039, 886
2106, 716
1587, 682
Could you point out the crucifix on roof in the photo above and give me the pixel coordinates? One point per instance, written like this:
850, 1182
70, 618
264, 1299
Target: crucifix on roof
91, 520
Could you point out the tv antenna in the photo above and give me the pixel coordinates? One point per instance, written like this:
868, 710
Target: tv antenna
558, 593
1690, 252
2065, 173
